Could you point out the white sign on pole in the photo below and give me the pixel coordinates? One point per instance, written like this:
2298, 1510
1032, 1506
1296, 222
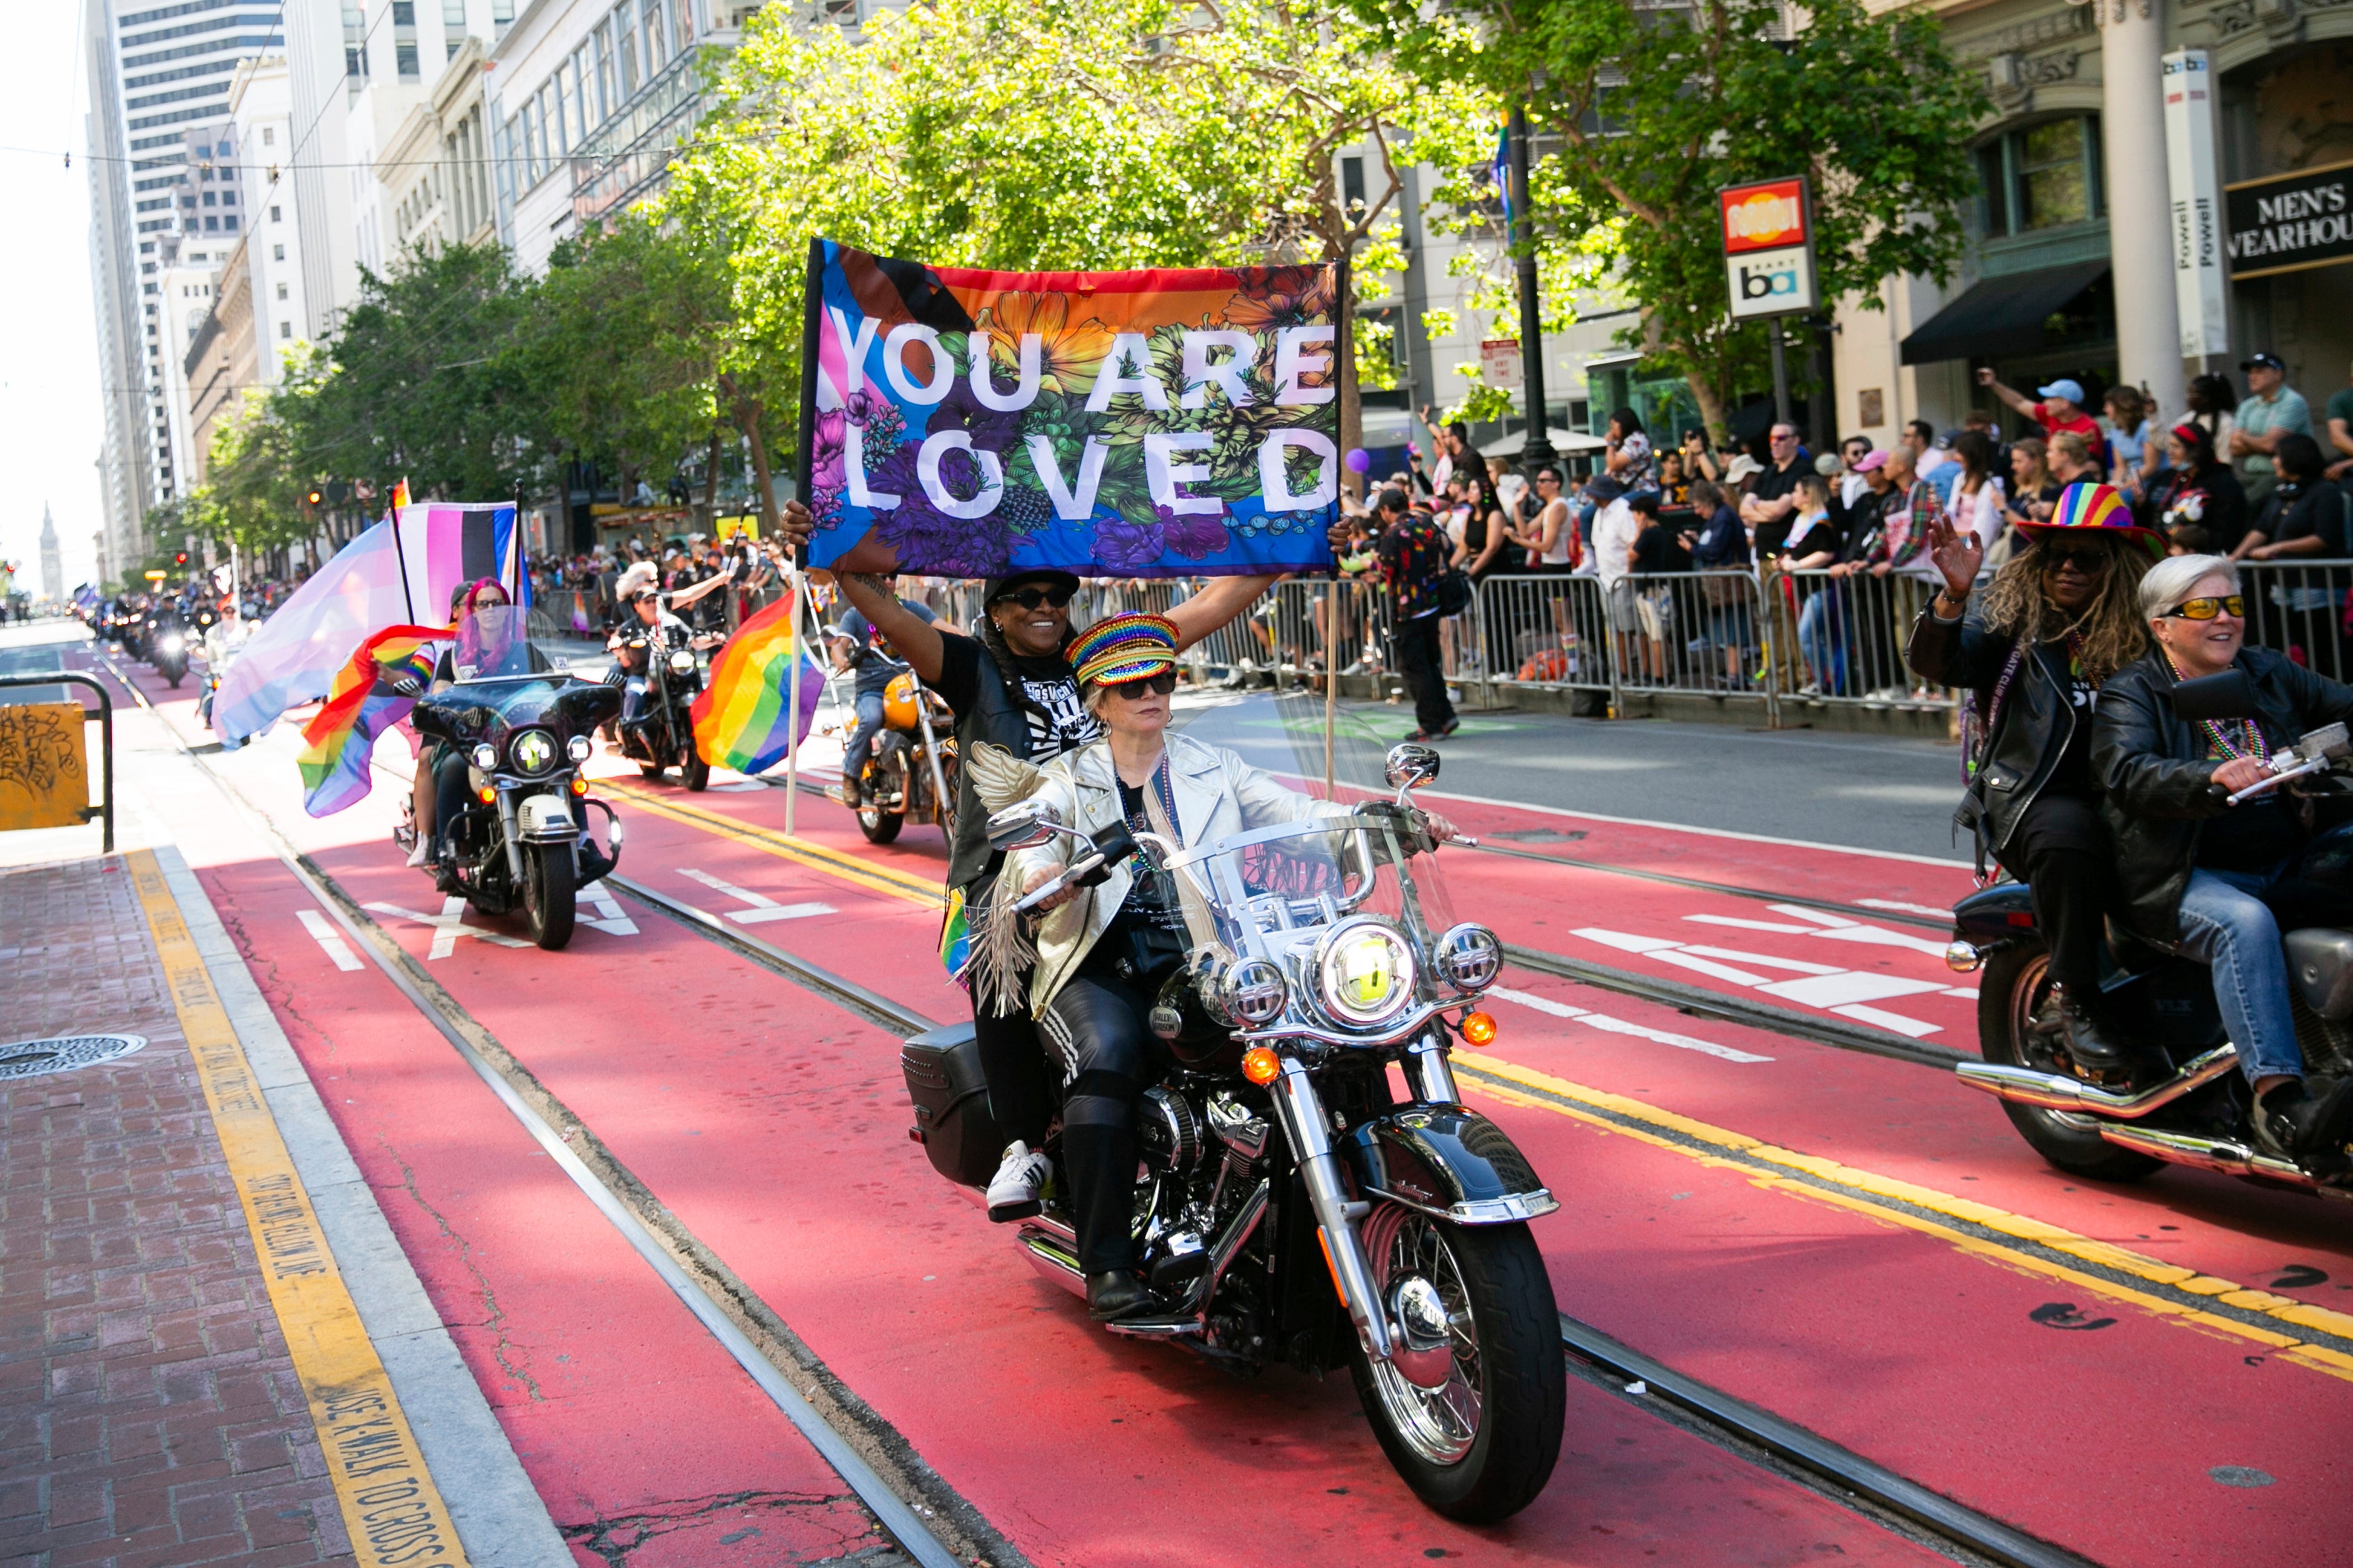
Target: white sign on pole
1770, 282
2199, 250
1499, 362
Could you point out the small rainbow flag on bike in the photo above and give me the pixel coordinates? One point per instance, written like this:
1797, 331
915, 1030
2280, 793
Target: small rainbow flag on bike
361, 705
743, 718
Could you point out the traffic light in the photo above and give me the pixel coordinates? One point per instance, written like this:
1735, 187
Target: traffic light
181, 559
314, 497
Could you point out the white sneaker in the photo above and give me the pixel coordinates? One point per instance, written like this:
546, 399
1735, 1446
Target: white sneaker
422, 854
1021, 1179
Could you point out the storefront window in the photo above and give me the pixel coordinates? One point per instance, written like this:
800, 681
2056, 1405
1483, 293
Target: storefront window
2041, 177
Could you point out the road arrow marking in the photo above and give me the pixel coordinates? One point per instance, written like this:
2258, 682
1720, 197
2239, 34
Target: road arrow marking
763, 909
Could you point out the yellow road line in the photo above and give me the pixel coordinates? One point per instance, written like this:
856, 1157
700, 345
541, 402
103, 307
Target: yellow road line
847, 867
391, 1507
1918, 1208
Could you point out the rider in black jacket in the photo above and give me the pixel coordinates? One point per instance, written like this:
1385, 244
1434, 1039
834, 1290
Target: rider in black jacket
2056, 622
2199, 875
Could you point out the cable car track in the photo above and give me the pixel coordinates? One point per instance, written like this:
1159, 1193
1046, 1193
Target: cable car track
850, 1437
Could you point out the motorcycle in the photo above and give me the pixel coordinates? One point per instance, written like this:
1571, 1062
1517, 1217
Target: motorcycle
911, 768
525, 735
169, 640
1291, 1208
2189, 1104
664, 737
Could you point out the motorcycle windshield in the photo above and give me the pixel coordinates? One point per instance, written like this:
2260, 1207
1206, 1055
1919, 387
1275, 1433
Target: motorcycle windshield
494, 644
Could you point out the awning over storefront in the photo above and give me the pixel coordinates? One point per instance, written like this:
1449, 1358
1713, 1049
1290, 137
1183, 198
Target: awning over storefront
2001, 315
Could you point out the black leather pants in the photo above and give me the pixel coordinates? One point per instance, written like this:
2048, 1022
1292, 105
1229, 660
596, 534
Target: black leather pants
1097, 1027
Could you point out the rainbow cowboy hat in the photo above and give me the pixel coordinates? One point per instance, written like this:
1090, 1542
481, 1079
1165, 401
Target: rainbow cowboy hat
1124, 648
2083, 506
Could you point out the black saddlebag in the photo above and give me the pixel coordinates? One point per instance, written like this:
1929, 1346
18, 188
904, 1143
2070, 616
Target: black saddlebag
950, 1096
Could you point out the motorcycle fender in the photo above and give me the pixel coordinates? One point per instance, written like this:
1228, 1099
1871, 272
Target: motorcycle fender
1448, 1162
2004, 910
546, 818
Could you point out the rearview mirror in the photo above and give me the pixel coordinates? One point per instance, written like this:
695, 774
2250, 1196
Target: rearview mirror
1410, 766
1024, 824
2229, 695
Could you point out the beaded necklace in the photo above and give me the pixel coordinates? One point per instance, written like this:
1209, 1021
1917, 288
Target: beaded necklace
2250, 741
1139, 821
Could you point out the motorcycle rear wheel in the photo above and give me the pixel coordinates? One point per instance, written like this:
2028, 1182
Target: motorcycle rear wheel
1480, 1449
2011, 992
549, 899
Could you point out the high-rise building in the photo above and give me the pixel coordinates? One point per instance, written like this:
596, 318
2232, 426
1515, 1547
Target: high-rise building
163, 194
53, 570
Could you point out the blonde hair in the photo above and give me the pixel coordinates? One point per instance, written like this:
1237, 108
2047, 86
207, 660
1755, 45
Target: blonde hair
2112, 629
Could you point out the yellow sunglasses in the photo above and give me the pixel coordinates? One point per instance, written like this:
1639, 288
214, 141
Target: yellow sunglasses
2207, 609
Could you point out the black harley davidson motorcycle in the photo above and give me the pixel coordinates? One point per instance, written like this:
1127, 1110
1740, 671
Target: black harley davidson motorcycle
663, 737
2190, 1105
1293, 1208
523, 838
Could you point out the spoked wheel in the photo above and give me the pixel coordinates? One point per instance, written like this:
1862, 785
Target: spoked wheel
1472, 1422
2017, 1026
548, 896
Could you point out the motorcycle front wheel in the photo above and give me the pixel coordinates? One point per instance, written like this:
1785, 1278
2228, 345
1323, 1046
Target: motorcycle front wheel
2013, 991
548, 896
1481, 1445
694, 771
879, 826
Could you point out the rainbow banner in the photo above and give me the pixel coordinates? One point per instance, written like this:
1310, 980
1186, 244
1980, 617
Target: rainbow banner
1158, 423
339, 737
743, 719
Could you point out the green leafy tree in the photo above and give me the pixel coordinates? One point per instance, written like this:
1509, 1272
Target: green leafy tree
1650, 109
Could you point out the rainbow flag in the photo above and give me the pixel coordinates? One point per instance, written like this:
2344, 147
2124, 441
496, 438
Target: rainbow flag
741, 719
361, 705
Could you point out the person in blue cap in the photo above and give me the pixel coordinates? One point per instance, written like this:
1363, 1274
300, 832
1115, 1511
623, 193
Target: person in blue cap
2061, 409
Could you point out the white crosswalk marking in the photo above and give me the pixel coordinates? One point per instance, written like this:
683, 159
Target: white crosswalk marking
1611, 1025
328, 937
446, 927
762, 907
1842, 991
609, 915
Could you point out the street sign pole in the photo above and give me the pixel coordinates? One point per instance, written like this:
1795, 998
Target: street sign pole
1780, 373
1539, 447
1768, 262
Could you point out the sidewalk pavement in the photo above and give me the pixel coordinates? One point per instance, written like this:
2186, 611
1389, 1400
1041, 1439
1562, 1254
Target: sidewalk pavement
162, 1395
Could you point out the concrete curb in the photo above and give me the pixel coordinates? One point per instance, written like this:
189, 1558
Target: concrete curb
499, 1518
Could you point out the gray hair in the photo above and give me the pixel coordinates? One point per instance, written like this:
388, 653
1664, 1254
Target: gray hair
2169, 581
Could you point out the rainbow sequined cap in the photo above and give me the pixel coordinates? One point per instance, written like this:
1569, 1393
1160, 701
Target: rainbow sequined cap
2084, 505
1125, 647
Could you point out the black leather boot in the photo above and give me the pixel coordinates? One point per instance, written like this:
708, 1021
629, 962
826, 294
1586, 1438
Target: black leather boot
2094, 1051
1116, 1293
2293, 1122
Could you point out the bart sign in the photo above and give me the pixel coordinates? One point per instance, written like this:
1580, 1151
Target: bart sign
1768, 253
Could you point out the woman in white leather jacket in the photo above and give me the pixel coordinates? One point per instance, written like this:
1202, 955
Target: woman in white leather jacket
1103, 952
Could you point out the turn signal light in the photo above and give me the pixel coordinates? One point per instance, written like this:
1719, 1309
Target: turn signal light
488, 795
1478, 1029
1260, 1064
579, 784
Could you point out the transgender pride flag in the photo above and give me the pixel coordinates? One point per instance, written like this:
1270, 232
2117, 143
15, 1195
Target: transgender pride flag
399, 573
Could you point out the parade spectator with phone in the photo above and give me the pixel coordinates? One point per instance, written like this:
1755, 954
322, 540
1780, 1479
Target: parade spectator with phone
2061, 409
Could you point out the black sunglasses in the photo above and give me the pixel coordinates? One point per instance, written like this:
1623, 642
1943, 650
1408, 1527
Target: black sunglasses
2090, 562
1031, 598
1159, 685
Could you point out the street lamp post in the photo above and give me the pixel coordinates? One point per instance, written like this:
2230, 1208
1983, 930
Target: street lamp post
1538, 447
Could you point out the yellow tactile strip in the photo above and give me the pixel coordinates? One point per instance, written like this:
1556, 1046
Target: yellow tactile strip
391, 1507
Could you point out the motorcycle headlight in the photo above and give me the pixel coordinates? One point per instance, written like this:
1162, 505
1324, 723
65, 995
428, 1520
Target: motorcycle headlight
1364, 972
534, 751
1469, 958
486, 756
577, 748
1255, 992
173, 643
681, 663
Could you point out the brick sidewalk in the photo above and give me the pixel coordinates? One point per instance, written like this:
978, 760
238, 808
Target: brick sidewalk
149, 1415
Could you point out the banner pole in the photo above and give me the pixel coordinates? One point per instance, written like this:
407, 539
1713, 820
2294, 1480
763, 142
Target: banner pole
798, 583
1344, 349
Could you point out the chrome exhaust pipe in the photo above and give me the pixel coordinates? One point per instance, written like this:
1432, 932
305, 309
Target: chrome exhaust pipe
1052, 1250
2049, 1091
2217, 1154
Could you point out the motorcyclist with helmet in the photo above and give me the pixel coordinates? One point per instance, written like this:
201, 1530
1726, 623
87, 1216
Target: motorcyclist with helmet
2214, 881
2055, 625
